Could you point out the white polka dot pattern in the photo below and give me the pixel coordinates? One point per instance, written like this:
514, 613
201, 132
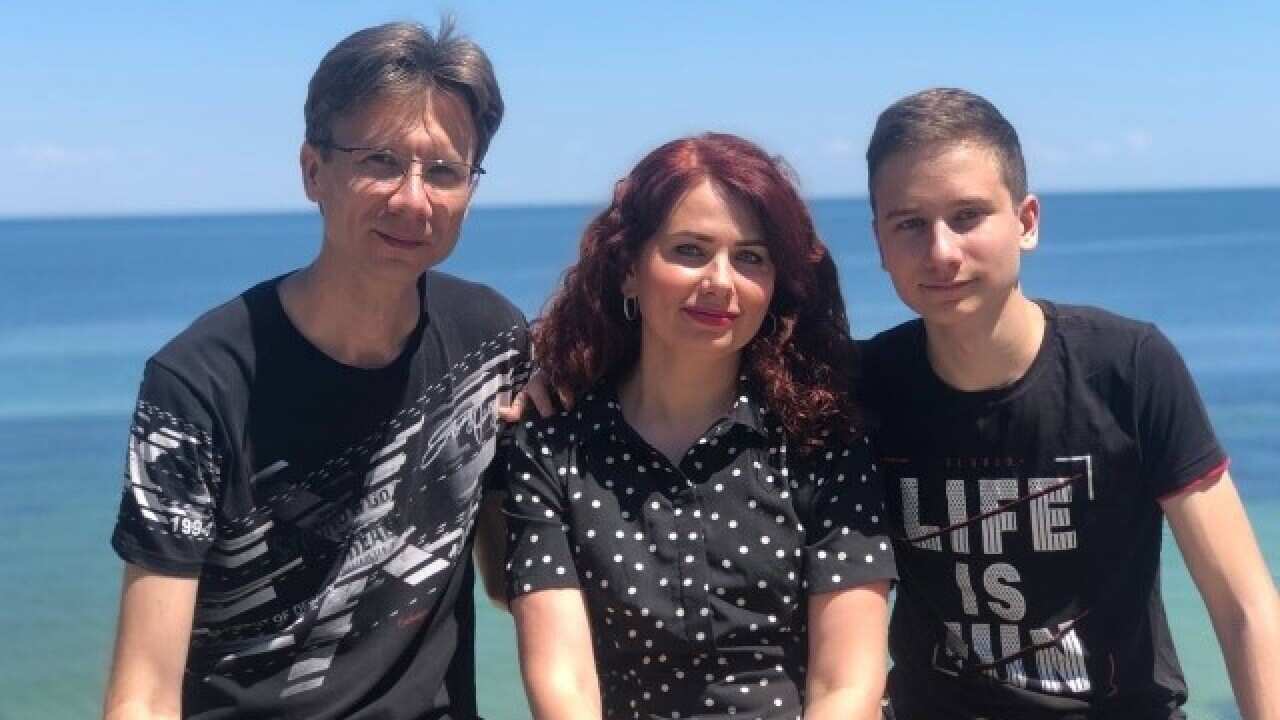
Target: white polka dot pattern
696, 575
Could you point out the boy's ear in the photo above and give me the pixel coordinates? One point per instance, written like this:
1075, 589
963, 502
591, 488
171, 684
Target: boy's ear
1029, 218
875, 233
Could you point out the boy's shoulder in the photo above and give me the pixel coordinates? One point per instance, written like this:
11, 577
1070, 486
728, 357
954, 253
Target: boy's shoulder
1094, 340
1090, 323
1079, 323
1101, 338
906, 338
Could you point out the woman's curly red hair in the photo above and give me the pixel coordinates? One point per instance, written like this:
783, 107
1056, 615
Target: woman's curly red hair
803, 362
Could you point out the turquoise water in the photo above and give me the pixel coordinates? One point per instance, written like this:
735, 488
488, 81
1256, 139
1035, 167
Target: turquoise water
85, 301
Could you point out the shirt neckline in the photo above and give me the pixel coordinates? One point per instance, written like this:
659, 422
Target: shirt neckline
602, 408
315, 354
993, 396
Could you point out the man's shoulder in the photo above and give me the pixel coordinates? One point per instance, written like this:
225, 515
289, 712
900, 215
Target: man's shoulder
450, 295
590, 421
474, 320
223, 337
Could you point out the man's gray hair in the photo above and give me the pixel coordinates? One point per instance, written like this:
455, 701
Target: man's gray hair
402, 59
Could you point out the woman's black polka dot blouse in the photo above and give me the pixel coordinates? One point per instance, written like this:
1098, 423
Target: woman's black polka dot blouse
695, 576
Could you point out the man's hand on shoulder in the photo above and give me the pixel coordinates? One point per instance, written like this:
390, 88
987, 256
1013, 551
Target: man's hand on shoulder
538, 393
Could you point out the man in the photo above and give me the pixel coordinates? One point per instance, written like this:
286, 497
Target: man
1031, 451
304, 468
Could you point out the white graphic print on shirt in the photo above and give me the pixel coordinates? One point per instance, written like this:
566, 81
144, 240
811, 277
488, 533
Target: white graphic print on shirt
996, 523
369, 530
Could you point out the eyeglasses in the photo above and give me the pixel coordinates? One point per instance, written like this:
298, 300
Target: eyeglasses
381, 170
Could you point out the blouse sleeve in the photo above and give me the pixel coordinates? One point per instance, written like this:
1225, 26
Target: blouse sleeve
845, 535
538, 548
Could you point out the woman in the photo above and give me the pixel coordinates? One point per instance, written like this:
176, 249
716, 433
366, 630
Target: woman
700, 535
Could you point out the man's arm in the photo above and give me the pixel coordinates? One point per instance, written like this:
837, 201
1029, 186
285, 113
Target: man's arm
491, 547
1217, 542
156, 613
848, 659
556, 658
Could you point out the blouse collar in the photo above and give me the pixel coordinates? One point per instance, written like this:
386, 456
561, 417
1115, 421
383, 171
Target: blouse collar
600, 409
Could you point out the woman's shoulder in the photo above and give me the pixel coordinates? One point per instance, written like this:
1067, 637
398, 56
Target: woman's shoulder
849, 452
589, 421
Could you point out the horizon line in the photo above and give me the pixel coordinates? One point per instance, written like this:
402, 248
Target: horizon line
547, 205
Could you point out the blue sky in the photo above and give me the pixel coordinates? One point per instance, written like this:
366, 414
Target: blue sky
124, 107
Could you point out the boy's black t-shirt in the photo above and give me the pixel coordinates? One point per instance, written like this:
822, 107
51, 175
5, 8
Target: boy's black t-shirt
326, 510
1027, 523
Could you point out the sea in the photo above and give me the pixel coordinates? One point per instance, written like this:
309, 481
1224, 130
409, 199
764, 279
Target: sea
83, 302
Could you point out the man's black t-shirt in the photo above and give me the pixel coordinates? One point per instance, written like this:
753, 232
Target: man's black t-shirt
1028, 526
326, 510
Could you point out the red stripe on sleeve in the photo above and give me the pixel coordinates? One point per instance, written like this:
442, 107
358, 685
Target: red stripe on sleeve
1200, 483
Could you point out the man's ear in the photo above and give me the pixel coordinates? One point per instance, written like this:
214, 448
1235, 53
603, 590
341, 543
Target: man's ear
1029, 218
309, 162
471, 195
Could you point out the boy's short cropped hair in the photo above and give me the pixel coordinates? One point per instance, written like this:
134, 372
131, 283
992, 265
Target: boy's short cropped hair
944, 116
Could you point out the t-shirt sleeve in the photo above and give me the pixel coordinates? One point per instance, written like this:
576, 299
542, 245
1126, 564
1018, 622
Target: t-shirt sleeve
517, 371
538, 551
494, 478
846, 542
166, 521
522, 342
1177, 441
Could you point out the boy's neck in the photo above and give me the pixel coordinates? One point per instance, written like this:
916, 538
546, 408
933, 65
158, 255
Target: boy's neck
986, 354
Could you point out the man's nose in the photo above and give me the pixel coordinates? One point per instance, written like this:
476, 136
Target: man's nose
413, 195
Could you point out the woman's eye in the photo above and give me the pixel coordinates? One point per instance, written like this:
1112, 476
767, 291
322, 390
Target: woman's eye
751, 256
909, 224
688, 250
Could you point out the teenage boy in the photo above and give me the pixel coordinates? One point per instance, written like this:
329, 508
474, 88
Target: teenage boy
305, 461
1031, 452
